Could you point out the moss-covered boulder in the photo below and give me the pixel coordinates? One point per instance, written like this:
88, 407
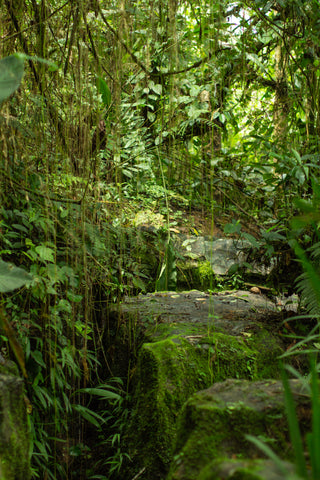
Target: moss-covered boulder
228, 469
14, 432
187, 348
214, 423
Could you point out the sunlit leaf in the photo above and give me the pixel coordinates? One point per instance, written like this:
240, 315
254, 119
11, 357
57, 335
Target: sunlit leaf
297, 155
157, 88
255, 59
151, 116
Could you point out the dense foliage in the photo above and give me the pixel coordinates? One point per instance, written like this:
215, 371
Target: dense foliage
132, 114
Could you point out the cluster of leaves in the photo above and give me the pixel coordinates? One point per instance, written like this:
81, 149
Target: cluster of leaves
306, 459
191, 103
47, 319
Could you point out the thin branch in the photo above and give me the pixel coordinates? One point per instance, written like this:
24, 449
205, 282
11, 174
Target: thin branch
196, 64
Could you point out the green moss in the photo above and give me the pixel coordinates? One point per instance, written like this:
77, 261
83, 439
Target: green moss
14, 434
268, 350
229, 357
196, 275
9, 368
231, 469
206, 275
169, 371
211, 427
182, 359
239, 357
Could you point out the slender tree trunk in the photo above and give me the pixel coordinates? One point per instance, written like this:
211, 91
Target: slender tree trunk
281, 105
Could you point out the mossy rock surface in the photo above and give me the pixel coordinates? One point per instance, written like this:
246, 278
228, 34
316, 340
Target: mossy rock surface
228, 469
186, 349
213, 424
14, 432
229, 312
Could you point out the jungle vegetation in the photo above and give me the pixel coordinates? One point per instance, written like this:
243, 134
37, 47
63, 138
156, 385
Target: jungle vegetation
133, 113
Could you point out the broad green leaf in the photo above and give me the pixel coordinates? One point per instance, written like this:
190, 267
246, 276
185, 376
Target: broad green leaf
305, 205
74, 297
151, 116
55, 273
300, 176
296, 155
195, 90
251, 239
64, 306
104, 90
12, 277
234, 227
45, 253
11, 72
272, 236
37, 356
157, 88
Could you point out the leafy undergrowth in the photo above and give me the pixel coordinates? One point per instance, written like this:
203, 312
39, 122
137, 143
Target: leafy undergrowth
95, 176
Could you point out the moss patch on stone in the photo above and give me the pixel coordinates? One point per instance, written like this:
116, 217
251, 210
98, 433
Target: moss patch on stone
213, 424
230, 469
168, 372
14, 433
196, 274
237, 357
181, 360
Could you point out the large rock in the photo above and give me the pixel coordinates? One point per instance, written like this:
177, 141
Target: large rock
191, 340
221, 253
229, 312
14, 432
214, 422
229, 469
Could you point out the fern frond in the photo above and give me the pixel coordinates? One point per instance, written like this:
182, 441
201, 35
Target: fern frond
308, 283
